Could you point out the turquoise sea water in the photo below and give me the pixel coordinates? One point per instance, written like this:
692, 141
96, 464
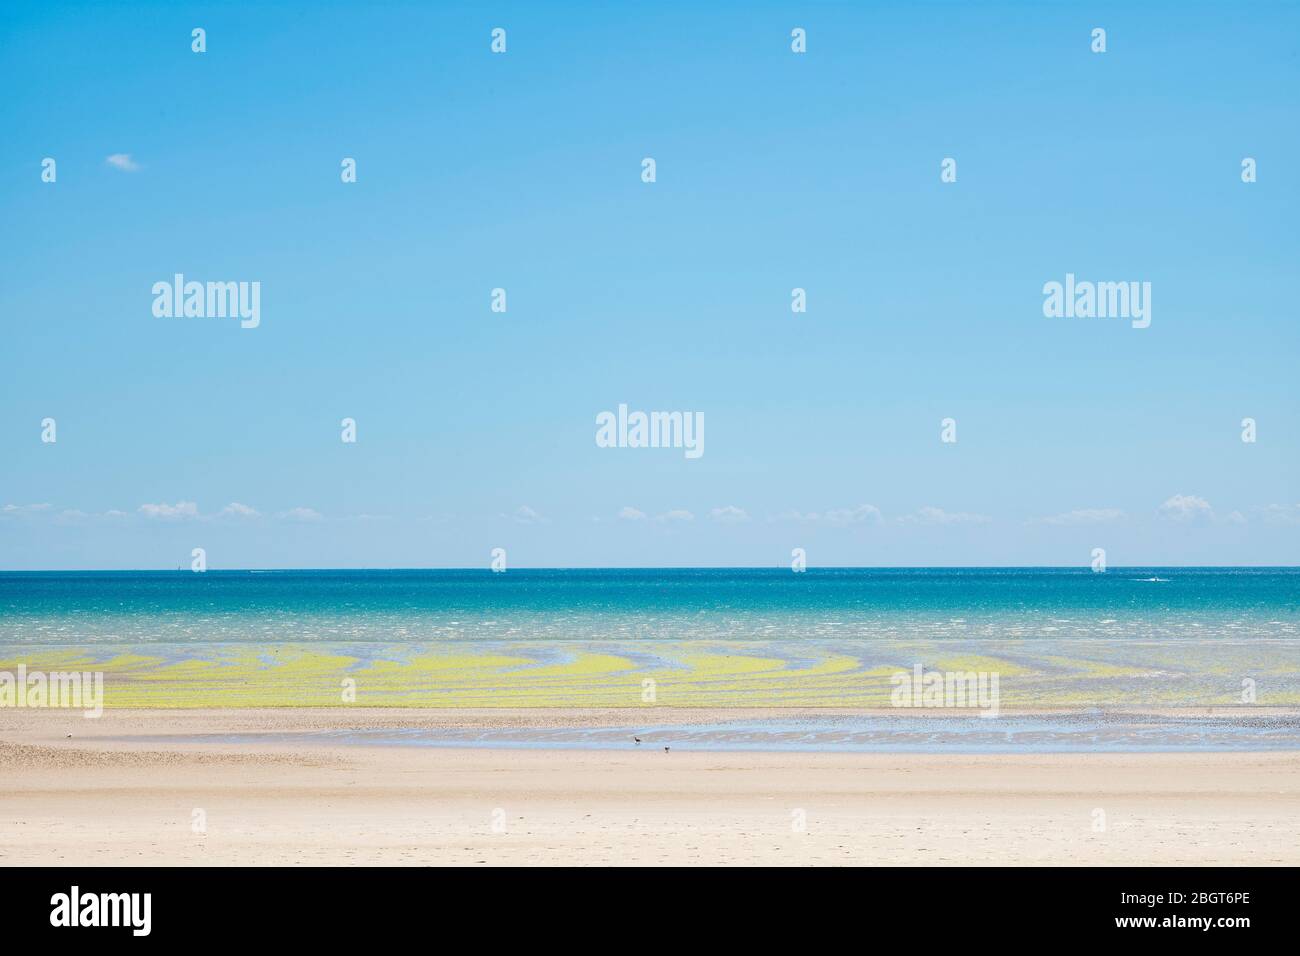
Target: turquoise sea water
1121, 661
1256, 605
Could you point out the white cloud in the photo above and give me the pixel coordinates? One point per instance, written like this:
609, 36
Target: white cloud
836, 517
122, 161
631, 514
526, 515
1186, 508
1086, 516
300, 514
929, 515
677, 514
810, 516
729, 515
24, 509
182, 509
858, 515
235, 509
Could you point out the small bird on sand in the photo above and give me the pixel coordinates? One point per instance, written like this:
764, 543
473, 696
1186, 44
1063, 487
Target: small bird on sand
665, 750
637, 739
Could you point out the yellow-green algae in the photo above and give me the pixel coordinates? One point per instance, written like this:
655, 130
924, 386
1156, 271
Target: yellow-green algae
674, 674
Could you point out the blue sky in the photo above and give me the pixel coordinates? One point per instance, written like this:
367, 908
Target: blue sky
523, 171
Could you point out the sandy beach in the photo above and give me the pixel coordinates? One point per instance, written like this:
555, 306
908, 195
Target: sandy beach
139, 787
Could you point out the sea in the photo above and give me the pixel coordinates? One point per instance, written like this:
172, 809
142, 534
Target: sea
753, 604
1130, 658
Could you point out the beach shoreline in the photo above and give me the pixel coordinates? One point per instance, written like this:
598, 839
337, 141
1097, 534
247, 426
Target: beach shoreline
134, 788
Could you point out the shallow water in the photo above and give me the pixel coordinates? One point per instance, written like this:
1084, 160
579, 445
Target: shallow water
1057, 733
1056, 637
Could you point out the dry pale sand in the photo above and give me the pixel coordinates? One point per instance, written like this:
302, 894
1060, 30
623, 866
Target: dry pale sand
103, 796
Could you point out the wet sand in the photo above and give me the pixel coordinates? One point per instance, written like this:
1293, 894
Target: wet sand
134, 788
